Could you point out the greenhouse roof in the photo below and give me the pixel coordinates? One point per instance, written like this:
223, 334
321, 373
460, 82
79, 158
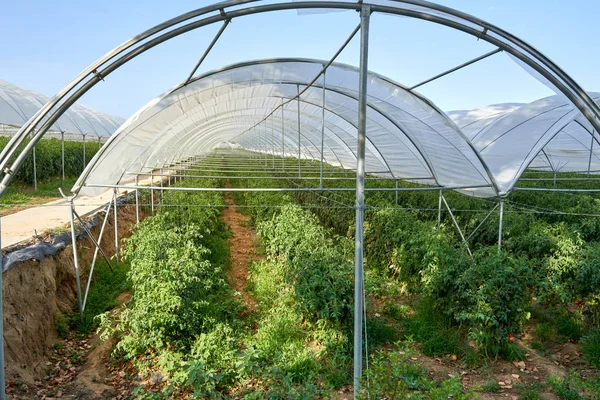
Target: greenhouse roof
18, 105
408, 137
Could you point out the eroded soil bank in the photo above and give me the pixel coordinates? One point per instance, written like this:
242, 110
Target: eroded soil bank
36, 294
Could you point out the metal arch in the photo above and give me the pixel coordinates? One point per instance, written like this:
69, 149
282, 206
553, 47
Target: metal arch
328, 147
379, 155
426, 11
338, 140
192, 139
383, 114
333, 135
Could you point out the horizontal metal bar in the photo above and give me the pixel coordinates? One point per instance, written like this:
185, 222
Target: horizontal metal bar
315, 189
289, 177
559, 179
557, 190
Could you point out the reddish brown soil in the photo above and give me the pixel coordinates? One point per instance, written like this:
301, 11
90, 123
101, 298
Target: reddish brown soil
242, 249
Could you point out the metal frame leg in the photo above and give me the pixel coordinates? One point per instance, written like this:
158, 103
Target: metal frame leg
34, 171
115, 210
457, 227
62, 134
2, 381
365, 15
87, 288
152, 191
439, 221
500, 224
137, 201
75, 258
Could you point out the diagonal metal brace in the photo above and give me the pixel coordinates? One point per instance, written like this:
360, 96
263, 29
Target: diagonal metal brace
85, 228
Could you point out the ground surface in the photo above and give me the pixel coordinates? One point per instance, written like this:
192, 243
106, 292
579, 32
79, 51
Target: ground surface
21, 223
81, 368
242, 249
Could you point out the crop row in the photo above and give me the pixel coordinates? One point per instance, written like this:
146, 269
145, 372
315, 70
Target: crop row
48, 159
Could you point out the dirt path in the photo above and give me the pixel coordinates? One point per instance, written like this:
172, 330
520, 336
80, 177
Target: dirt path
242, 249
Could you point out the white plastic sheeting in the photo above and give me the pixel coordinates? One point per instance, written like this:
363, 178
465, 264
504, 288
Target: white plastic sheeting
407, 137
18, 105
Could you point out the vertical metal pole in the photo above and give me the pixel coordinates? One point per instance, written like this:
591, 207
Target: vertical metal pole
282, 138
84, 151
273, 138
137, 201
590, 159
299, 155
2, 383
75, 260
161, 184
396, 192
365, 14
323, 130
99, 142
62, 135
500, 226
152, 191
440, 210
34, 171
115, 211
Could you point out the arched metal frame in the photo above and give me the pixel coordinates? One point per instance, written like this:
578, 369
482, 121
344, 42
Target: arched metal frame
230, 9
227, 10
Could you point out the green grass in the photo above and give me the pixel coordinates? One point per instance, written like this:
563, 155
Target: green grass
20, 193
105, 288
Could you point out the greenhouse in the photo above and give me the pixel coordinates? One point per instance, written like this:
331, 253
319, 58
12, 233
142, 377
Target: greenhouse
18, 105
321, 134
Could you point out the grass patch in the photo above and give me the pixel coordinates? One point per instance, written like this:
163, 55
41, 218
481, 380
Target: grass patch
531, 392
20, 193
434, 331
590, 344
105, 288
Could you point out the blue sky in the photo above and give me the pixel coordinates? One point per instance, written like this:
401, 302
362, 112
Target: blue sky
45, 44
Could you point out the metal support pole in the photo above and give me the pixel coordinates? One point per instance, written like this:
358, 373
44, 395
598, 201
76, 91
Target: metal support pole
208, 49
591, 151
500, 226
137, 201
282, 138
161, 185
99, 142
299, 155
96, 243
440, 209
62, 135
457, 226
83, 152
152, 191
365, 15
2, 382
396, 192
273, 138
75, 260
115, 211
34, 171
323, 122
482, 222
87, 288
